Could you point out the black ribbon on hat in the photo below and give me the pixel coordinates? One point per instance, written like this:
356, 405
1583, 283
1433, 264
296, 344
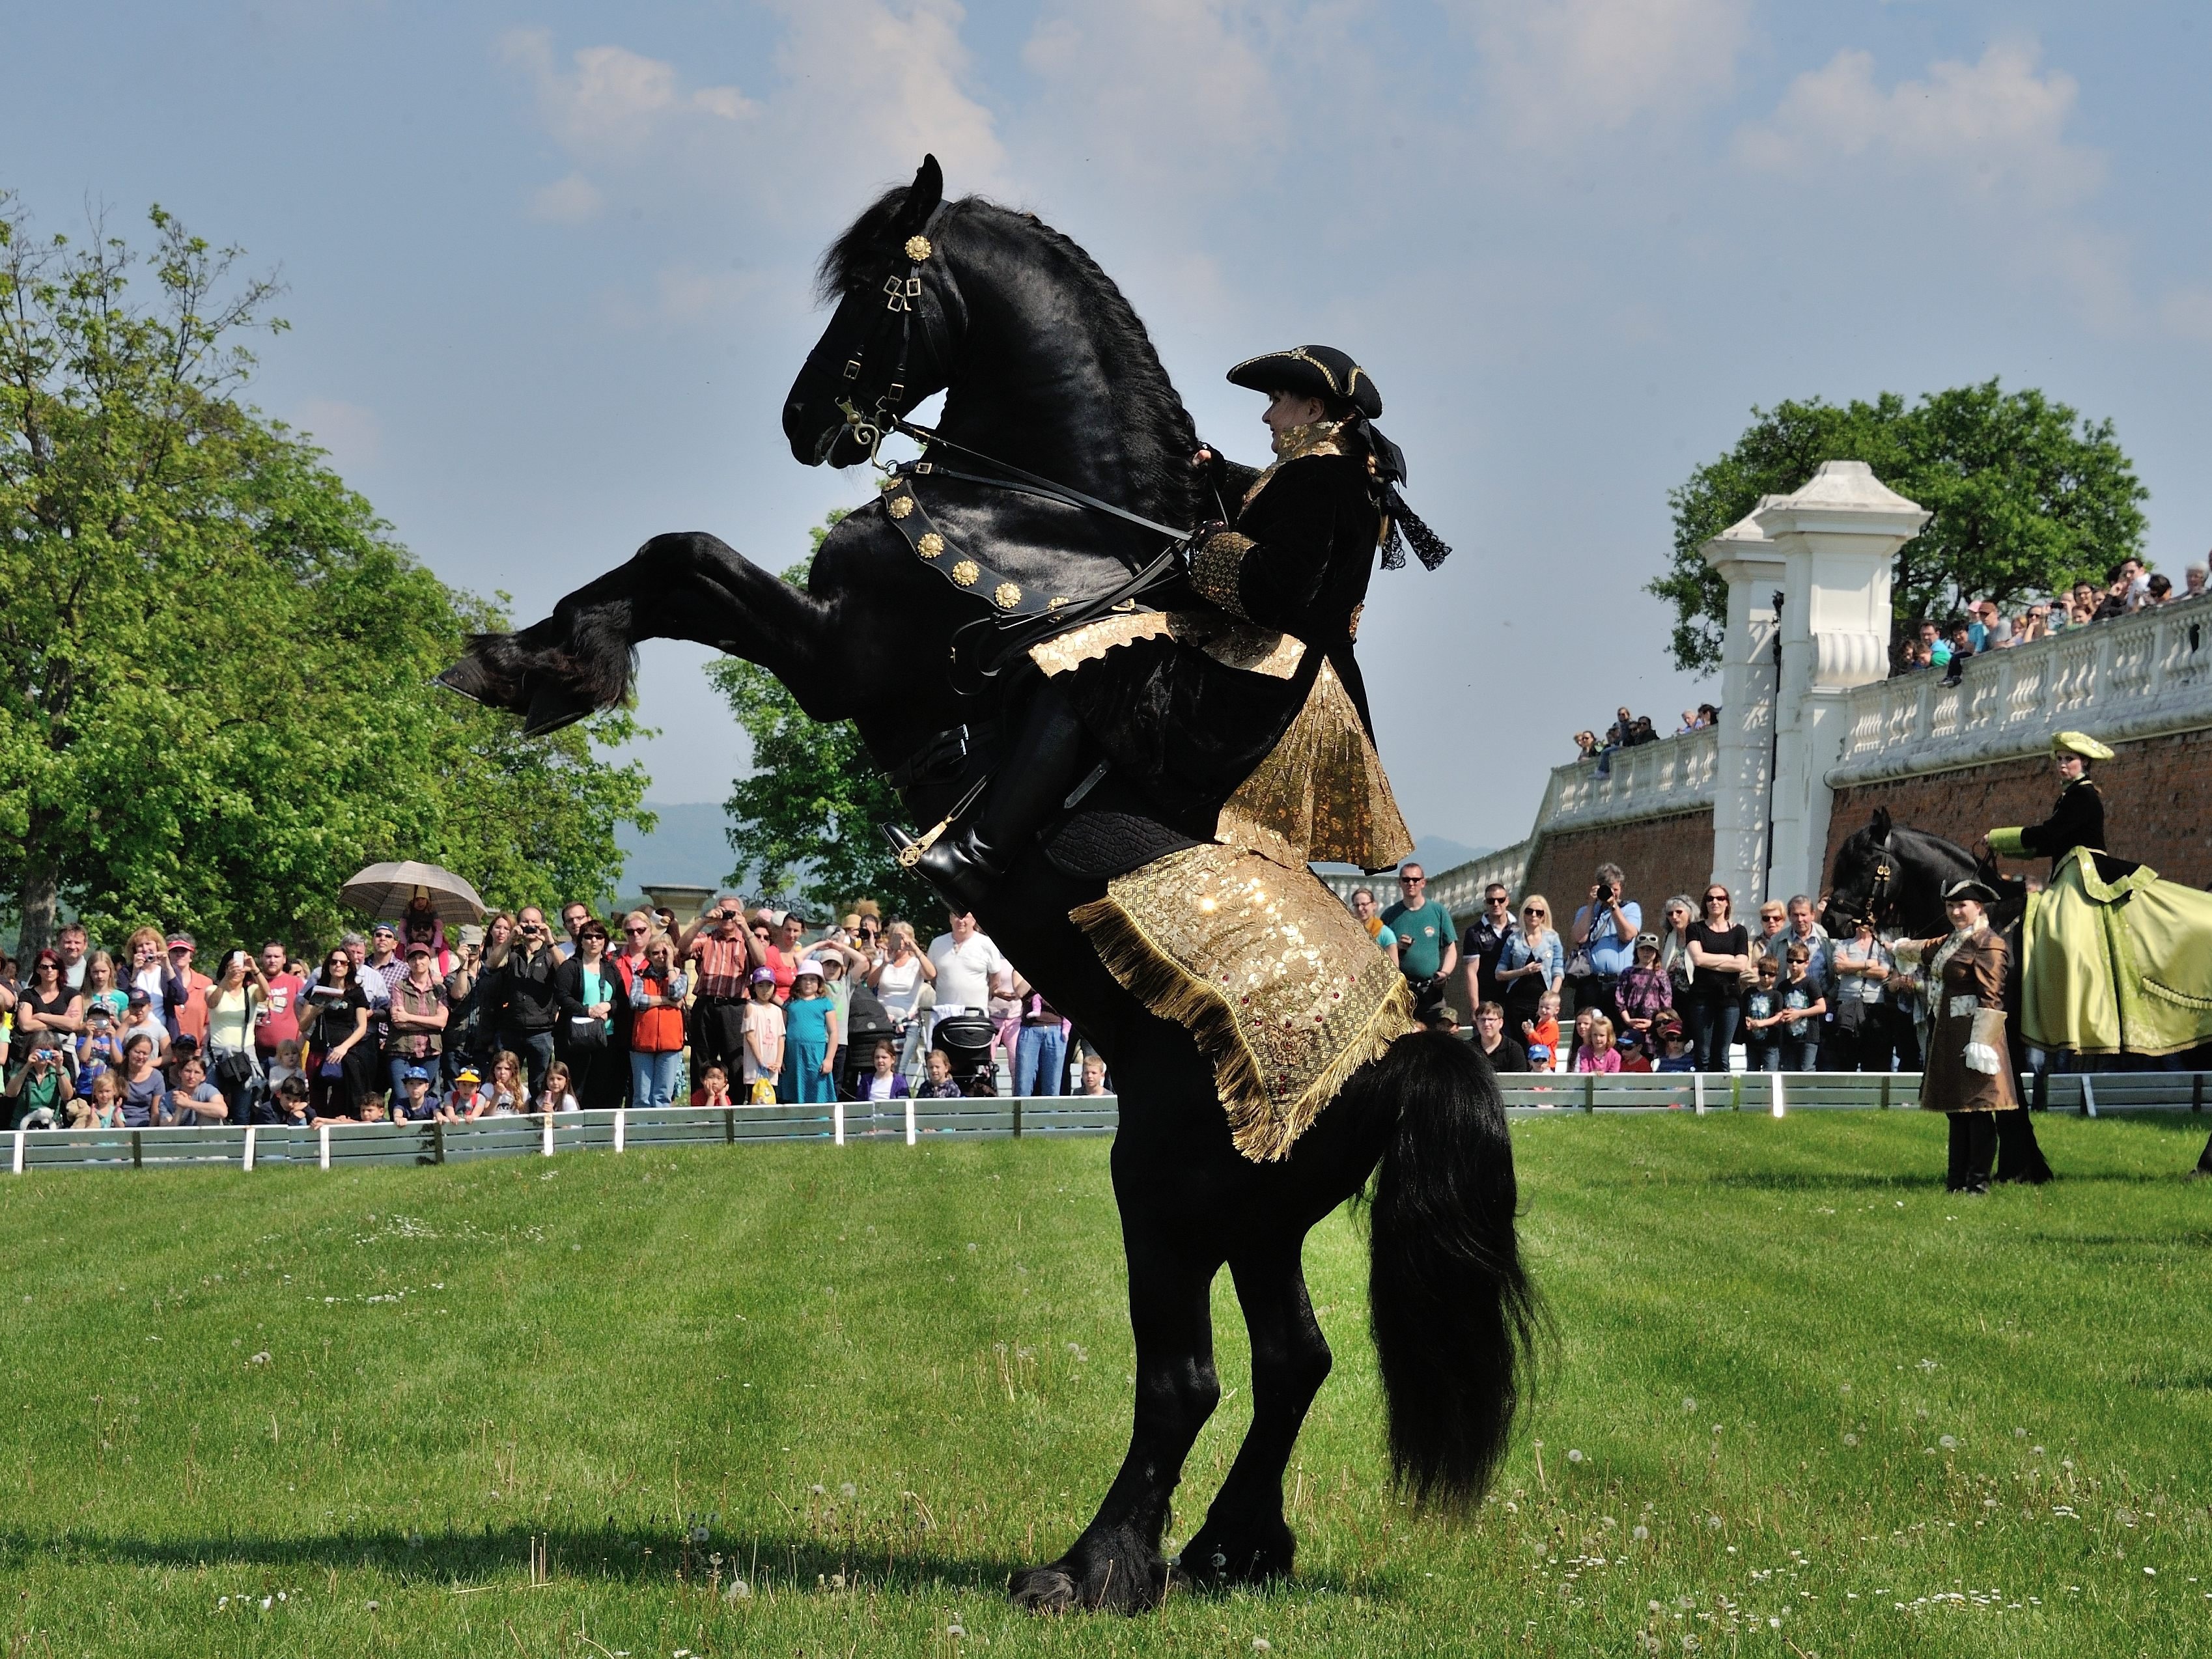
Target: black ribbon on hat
1389, 472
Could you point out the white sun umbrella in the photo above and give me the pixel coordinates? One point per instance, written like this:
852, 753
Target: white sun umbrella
384, 890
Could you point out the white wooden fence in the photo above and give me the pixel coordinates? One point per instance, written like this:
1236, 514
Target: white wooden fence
345, 1145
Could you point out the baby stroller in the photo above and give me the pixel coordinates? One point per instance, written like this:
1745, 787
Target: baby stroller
966, 1039
867, 1023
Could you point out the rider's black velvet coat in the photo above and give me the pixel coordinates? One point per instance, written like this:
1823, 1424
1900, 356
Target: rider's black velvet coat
1185, 728
2078, 820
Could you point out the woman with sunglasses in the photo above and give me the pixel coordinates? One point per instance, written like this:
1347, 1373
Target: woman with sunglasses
48, 1014
1531, 963
590, 990
1719, 948
337, 1029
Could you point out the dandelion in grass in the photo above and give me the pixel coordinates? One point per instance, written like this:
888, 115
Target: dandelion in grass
1640, 1535
1851, 1440
1948, 1443
1688, 1404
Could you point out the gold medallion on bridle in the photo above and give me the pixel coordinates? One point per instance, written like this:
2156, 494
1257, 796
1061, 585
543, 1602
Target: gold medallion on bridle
917, 248
931, 544
1006, 596
899, 506
965, 573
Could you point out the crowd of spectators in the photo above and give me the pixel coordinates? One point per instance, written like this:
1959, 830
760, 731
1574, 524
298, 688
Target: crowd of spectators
1608, 994
1982, 626
415, 1021
1630, 731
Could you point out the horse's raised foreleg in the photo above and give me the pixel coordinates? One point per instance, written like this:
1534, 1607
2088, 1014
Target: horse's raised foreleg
687, 586
1115, 1565
1245, 1537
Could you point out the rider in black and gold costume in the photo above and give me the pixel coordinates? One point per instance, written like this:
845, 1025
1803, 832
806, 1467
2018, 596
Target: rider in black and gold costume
1190, 697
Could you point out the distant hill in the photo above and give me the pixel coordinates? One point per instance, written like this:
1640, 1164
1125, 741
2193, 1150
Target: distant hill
1434, 854
688, 848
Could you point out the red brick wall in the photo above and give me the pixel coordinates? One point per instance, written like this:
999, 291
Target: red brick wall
2158, 803
1660, 857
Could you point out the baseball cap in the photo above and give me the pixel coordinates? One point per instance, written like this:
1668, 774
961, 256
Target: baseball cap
467, 1074
185, 939
414, 1074
139, 997
471, 933
384, 927
418, 947
99, 1011
763, 976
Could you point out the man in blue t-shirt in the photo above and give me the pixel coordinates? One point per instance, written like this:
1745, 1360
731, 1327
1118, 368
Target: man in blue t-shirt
1427, 953
1607, 927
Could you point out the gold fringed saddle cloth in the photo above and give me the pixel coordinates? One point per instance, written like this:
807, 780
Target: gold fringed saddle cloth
1284, 991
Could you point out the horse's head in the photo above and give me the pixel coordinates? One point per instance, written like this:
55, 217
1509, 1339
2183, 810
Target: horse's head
1866, 878
889, 345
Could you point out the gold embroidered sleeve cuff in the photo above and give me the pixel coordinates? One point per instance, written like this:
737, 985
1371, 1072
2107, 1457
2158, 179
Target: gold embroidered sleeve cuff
1216, 570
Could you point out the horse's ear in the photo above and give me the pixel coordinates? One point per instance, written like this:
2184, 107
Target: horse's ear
924, 197
1880, 827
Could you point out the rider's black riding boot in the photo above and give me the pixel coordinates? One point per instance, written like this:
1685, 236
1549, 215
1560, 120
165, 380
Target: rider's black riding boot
1028, 786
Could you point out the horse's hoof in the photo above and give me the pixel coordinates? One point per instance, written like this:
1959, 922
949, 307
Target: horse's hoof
1043, 1589
1240, 1554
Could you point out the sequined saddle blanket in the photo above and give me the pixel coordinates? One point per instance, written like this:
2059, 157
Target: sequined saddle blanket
1284, 991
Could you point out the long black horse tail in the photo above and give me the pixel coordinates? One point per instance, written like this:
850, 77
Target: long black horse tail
1454, 1314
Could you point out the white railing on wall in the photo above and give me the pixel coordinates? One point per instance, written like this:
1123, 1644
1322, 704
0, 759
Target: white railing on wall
1655, 780
2131, 677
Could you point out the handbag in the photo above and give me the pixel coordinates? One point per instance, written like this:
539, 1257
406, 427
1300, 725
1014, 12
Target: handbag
234, 1071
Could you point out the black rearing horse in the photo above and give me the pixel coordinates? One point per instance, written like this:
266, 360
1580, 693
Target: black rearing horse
1048, 368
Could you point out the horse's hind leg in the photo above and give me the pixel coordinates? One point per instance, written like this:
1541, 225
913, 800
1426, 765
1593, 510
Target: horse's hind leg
1245, 1537
1115, 1565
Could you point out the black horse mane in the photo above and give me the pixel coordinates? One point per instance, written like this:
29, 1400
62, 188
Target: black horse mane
1143, 399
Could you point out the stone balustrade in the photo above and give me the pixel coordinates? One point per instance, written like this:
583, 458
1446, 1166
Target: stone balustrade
2134, 677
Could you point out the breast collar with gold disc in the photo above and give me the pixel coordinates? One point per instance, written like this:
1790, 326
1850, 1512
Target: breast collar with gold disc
903, 507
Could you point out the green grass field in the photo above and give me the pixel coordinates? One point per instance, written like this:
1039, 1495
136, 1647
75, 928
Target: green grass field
1801, 1403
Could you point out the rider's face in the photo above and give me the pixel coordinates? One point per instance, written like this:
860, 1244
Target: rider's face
2069, 767
1288, 408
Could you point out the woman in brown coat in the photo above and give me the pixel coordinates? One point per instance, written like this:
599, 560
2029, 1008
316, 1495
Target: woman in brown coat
1968, 1069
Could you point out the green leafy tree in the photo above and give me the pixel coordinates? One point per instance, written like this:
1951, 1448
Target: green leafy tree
2027, 498
216, 697
807, 820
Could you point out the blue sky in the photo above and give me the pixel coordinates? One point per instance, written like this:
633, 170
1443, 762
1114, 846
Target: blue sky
549, 264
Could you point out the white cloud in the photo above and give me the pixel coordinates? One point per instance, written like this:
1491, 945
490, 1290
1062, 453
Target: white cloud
1987, 129
353, 435
613, 99
867, 87
2187, 312
1179, 85
873, 85
1561, 70
687, 293
569, 201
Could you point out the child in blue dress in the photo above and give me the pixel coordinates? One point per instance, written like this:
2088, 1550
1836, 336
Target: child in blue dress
810, 1038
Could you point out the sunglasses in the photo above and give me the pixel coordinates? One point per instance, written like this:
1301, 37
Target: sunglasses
637, 929
1534, 910
1716, 898
759, 932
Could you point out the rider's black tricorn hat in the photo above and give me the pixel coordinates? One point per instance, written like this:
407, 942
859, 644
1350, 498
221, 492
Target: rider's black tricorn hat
1311, 371
1980, 892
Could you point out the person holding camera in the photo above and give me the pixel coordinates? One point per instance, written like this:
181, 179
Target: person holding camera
519, 1001
723, 949
1604, 943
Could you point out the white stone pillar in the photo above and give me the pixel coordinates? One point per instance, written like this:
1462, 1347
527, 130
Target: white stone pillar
1839, 538
1752, 569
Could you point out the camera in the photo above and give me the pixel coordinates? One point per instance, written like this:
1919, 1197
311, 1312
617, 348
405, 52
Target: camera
1607, 892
